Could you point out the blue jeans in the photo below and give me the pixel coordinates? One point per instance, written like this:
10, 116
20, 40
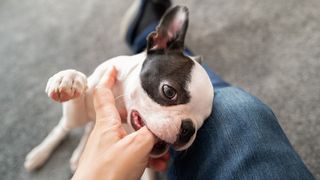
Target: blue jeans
241, 139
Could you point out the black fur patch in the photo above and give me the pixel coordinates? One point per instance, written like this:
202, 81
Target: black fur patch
171, 68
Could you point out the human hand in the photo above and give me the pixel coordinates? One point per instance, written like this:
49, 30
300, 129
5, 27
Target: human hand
110, 153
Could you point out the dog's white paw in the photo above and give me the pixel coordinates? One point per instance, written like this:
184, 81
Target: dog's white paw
66, 85
36, 158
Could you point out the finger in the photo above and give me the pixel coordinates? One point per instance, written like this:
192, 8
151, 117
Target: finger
135, 148
106, 83
104, 102
109, 78
134, 151
138, 144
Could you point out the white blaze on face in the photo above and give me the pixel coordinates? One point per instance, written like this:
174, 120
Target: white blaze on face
202, 93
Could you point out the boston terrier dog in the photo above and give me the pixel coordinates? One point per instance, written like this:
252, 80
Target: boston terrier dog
161, 88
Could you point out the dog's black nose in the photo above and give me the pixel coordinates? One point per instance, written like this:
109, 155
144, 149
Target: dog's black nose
187, 130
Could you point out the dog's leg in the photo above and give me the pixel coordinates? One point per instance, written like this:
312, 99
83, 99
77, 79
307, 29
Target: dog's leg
41, 153
74, 160
65, 85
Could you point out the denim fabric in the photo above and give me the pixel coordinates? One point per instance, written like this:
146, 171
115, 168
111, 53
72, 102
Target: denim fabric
241, 139
139, 42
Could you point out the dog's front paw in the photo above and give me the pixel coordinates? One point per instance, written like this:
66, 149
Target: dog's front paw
66, 85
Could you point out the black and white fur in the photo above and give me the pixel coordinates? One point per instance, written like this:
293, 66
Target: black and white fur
170, 92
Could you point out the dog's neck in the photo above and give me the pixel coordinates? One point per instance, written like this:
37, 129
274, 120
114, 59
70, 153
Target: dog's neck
127, 80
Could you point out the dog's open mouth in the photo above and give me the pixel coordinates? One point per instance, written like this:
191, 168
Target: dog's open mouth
161, 147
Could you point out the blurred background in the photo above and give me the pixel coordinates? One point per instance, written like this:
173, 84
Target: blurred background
269, 48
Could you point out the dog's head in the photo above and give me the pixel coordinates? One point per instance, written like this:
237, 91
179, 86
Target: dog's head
174, 95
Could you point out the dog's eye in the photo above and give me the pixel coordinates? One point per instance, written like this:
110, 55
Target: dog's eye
169, 92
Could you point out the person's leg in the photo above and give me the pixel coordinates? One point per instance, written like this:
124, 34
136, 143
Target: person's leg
240, 140
140, 19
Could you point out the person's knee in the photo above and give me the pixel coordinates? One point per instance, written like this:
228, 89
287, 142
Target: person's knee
234, 103
240, 120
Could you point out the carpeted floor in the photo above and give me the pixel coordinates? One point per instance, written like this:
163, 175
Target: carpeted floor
269, 48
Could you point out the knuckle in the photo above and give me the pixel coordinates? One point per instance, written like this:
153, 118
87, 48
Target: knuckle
116, 126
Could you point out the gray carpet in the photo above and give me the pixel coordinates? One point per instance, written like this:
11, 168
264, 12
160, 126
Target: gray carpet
269, 48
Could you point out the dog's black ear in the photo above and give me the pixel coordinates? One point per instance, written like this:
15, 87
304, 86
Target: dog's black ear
171, 31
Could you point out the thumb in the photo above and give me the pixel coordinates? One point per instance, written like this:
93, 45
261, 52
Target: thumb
103, 99
138, 144
133, 152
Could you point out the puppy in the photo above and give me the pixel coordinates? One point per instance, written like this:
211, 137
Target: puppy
161, 88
